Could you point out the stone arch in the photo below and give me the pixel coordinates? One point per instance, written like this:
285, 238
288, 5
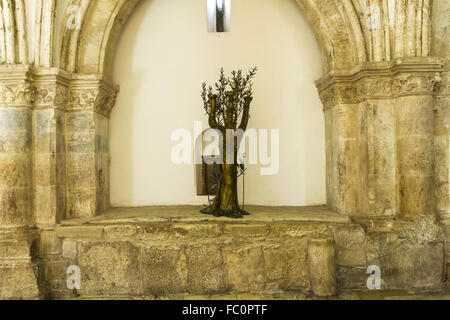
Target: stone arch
349, 32
90, 49
13, 36
360, 41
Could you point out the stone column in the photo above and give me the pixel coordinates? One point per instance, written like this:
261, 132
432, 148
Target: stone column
17, 277
442, 145
379, 133
442, 151
87, 139
378, 199
413, 88
15, 146
49, 145
342, 146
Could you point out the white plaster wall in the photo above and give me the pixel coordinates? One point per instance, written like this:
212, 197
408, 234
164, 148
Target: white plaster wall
163, 56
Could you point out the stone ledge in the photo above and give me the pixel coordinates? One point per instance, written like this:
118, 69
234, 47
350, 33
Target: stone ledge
192, 214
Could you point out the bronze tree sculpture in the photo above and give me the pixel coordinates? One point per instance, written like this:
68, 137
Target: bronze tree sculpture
225, 105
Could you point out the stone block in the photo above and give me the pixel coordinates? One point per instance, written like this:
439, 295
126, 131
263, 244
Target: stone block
197, 231
246, 230
286, 266
350, 237
384, 200
81, 232
50, 244
415, 116
205, 269
352, 278
417, 196
350, 257
81, 203
69, 250
15, 206
18, 282
14, 249
245, 269
413, 266
81, 171
14, 120
45, 169
109, 268
57, 271
80, 132
163, 270
417, 155
322, 267
44, 131
15, 170
49, 204
298, 231
15, 142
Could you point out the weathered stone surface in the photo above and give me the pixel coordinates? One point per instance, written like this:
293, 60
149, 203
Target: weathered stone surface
351, 278
410, 257
49, 244
109, 268
18, 274
245, 269
350, 257
322, 267
70, 250
15, 160
163, 270
409, 266
349, 236
18, 282
14, 249
206, 272
15, 206
286, 267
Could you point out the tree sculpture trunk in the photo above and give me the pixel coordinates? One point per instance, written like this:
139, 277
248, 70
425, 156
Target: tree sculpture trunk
226, 201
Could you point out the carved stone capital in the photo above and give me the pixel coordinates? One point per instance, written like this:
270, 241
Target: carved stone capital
443, 88
50, 88
89, 93
398, 78
15, 86
23, 86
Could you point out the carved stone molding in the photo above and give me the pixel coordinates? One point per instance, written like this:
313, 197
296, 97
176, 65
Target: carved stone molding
381, 81
15, 86
23, 86
50, 88
15, 95
88, 93
50, 96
